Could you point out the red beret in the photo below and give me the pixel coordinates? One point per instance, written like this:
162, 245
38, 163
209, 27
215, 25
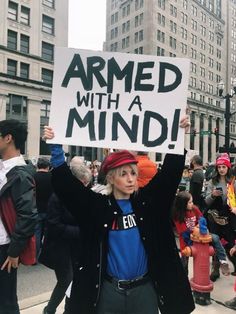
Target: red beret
223, 160
118, 159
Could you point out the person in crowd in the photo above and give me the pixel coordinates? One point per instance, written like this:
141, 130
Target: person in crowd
43, 192
232, 303
196, 181
186, 216
61, 241
18, 214
185, 181
101, 186
221, 217
146, 168
130, 263
95, 167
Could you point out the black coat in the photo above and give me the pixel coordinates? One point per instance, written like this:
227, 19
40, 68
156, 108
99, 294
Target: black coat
95, 214
61, 236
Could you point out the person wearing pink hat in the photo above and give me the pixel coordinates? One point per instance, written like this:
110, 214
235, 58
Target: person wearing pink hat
129, 262
221, 218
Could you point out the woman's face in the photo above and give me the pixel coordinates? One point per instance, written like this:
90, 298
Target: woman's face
190, 204
222, 169
124, 183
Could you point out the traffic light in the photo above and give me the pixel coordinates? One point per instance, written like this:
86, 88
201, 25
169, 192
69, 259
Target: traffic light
216, 131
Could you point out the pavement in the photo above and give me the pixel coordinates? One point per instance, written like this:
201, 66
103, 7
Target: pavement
223, 290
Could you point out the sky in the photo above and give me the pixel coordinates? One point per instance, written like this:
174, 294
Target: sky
87, 24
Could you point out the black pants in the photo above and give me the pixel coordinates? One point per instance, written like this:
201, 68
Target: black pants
8, 286
64, 275
139, 300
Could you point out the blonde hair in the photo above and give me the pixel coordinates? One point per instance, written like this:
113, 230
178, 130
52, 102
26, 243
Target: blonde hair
117, 172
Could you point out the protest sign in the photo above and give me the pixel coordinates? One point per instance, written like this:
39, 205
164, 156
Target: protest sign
117, 100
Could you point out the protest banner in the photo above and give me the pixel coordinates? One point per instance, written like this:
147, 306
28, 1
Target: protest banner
118, 100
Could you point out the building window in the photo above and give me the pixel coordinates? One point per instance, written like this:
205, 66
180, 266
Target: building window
173, 27
12, 10
161, 4
184, 33
172, 42
160, 36
11, 40
173, 10
47, 76
24, 70
11, 67
44, 120
24, 43
160, 51
25, 15
16, 107
47, 51
48, 25
49, 3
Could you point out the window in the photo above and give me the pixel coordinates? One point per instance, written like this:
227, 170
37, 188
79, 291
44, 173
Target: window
12, 10
47, 76
138, 36
11, 67
139, 50
24, 43
47, 51
45, 111
184, 18
138, 20
161, 4
16, 107
161, 19
193, 53
48, 25
25, 15
138, 4
194, 39
194, 24
160, 51
49, 3
184, 48
185, 4
160, 36
184, 33
172, 42
173, 27
11, 40
173, 10
24, 70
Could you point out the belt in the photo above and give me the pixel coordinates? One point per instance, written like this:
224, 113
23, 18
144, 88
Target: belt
128, 284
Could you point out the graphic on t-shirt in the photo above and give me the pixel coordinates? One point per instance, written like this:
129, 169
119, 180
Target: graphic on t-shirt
124, 222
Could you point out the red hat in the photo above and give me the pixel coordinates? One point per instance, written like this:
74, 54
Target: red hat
118, 159
223, 160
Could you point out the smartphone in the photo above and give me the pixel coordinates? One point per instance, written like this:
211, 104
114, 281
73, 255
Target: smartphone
219, 189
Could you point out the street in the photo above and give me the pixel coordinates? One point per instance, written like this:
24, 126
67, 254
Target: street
36, 282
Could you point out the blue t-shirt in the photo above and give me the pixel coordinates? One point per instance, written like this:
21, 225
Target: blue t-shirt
127, 258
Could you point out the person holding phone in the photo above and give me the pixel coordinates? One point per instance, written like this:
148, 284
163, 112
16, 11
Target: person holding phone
221, 218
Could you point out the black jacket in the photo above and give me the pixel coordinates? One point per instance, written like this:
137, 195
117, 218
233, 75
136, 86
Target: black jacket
95, 214
61, 236
19, 192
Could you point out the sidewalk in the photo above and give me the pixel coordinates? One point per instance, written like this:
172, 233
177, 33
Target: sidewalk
223, 290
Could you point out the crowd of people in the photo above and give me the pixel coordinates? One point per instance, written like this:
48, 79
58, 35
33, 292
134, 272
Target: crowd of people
105, 228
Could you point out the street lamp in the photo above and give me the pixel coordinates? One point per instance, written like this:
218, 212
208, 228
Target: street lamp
227, 110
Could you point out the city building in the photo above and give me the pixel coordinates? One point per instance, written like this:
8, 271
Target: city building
195, 29
29, 32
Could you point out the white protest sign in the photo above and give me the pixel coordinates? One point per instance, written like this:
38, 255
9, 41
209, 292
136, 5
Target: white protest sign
117, 100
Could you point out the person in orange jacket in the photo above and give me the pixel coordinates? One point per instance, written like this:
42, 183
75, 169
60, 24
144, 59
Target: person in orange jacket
146, 168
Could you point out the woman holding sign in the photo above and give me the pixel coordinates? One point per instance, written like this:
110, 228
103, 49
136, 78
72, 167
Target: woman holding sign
129, 263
